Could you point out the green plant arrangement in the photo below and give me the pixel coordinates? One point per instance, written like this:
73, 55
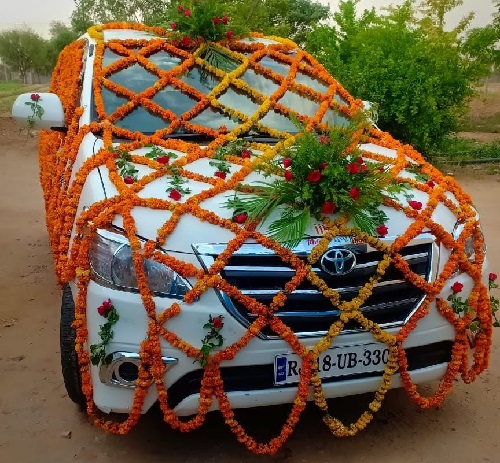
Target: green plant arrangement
98, 351
321, 174
176, 183
495, 303
461, 306
36, 111
206, 21
212, 339
126, 168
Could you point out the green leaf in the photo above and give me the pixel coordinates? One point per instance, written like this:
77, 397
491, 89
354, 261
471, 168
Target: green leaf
205, 349
290, 228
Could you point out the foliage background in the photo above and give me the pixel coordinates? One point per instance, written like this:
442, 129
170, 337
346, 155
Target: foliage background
420, 75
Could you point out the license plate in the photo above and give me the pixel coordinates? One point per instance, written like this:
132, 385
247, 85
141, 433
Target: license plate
334, 362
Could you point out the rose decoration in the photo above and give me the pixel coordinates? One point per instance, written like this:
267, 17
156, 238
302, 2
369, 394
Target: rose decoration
457, 287
314, 176
98, 351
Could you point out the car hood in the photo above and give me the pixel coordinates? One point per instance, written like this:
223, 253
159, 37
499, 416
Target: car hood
198, 224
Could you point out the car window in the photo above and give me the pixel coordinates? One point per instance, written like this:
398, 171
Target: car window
234, 104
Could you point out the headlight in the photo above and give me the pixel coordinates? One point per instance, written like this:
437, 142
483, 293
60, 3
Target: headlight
469, 246
111, 265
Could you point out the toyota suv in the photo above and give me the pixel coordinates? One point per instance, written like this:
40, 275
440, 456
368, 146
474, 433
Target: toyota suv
150, 155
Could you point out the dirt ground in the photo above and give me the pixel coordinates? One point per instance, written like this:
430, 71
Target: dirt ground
39, 423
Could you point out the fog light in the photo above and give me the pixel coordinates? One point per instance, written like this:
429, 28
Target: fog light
128, 372
123, 369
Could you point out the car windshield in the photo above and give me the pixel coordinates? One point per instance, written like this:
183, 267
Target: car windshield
233, 104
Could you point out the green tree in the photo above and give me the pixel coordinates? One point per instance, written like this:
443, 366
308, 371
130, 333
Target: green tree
496, 16
22, 51
60, 36
435, 11
89, 12
420, 75
481, 46
288, 18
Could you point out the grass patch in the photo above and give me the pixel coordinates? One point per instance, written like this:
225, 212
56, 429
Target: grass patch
10, 90
10, 86
481, 124
464, 150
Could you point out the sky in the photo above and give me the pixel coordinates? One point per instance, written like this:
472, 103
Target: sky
38, 14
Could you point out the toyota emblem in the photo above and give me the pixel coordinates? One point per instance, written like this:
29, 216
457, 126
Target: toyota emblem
338, 261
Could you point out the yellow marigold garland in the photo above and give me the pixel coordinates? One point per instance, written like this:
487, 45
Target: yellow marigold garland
71, 258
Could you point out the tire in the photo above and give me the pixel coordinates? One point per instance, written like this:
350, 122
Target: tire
69, 357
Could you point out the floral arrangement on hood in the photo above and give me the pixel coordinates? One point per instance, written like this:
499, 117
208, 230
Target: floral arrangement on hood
321, 174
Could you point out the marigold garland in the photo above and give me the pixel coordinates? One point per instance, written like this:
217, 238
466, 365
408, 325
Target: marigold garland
62, 189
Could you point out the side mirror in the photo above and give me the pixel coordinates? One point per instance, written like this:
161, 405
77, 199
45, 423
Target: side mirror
53, 112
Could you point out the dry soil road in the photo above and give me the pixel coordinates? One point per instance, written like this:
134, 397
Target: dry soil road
36, 415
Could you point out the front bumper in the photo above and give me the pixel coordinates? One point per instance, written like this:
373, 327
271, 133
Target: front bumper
248, 378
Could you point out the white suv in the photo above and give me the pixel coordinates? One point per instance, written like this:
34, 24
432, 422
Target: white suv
131, 87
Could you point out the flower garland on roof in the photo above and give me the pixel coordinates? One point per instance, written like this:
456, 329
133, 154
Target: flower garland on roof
63, 187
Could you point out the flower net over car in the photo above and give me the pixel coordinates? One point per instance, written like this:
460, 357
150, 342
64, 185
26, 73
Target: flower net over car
177, 93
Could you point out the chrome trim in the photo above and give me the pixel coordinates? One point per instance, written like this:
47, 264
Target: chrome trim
347, 289
206, 251
337, 261
368, 308
109, 374
240, 270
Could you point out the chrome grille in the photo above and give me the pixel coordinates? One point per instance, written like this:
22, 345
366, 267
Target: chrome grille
260, 274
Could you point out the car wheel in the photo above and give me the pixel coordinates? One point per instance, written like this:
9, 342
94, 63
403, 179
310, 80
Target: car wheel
69, 357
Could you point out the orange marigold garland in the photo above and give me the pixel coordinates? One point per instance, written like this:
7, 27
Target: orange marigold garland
71, 230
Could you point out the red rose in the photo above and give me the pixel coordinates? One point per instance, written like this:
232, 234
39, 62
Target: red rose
245, 154
240, 218
220, 174
324, 140
329, 207
229, 34
35, 97
417, 205
175, 195
314, 176
492, 276
382, 230
457, 287
288, 175
354, 193
105, 308
323, 165
180, 8
129, 180
163, 159
216, 20
359, 161
352, 168
173, 26
363, 168
187, 12
217, 323
287, 162
225, 19
185, 42
430, 183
